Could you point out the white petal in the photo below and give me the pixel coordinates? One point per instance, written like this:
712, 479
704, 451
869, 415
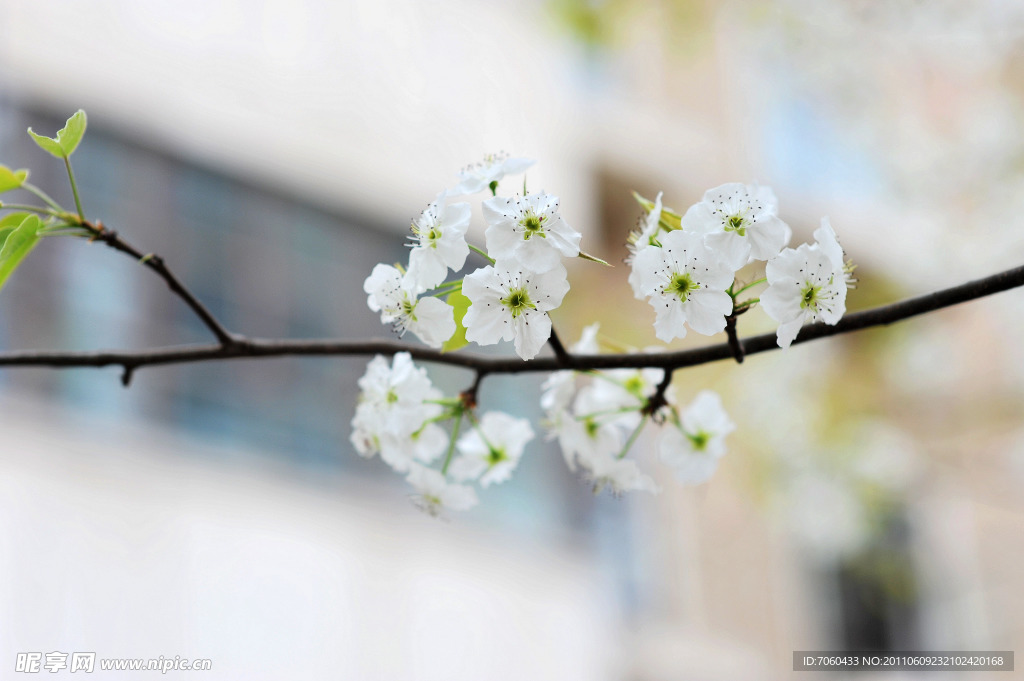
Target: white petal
532, 330
787, 332
706, 311
767, 237
435, 321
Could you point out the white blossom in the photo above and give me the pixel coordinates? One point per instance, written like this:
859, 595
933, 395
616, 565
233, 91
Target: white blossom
693, 447
395, 404
492, 450
511, 303
493, 168
435, 493
440, 242
607, 471
686, 284
645, 238
529, 230
806, 284
740, 222
396, 297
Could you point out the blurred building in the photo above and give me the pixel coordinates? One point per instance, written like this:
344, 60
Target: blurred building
272, 152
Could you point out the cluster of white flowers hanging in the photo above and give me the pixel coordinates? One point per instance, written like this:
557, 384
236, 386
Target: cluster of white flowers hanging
685, 265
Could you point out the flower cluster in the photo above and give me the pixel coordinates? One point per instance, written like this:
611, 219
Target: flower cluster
399, 416
684, 265
508, 299
596, 424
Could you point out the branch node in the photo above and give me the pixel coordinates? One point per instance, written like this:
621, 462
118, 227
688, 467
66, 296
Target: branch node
468, 396
656, 401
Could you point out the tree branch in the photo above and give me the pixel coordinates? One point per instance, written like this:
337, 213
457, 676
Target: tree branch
157, 264
236, 347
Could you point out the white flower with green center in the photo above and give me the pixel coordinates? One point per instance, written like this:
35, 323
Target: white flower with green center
806, 284
587, 437
439, 234
693, 446
638, 241
396, 297
686, 285
607, 471
529, 230
740, 222
396, 404
492, 450
434, 493
491, 170
511, 303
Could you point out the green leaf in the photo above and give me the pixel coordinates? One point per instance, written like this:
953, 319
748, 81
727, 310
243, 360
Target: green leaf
9, 223
460, 303
17, 245
11, 179
47, 144
67, 139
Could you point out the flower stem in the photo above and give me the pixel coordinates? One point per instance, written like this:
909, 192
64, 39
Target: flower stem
748, 286
633, 437
451, 444
607, 412
74, 188
480, 251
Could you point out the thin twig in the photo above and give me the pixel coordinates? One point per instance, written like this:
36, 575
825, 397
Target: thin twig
157, 264
560, 353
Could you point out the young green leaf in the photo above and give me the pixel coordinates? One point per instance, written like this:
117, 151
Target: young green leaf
17, 245
460, 303
11, 179
67, 138
9, 223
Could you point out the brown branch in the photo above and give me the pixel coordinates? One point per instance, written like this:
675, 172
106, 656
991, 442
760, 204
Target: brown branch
242, 348
157, 264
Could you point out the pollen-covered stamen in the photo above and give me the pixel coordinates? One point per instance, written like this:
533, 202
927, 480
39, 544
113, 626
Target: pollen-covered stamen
680, 285
532, 224
736, 223
518, 301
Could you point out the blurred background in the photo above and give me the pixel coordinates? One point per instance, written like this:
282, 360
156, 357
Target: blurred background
274, 150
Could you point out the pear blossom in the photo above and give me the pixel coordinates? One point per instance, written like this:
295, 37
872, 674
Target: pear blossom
806, 284
560, 386
740, 222
587, 437
396, 403
396, 297
645, 238
686, 283
693, 447
492, 451
492, 169
440, 242
510, 302
529, 230
435, 493
607, 471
